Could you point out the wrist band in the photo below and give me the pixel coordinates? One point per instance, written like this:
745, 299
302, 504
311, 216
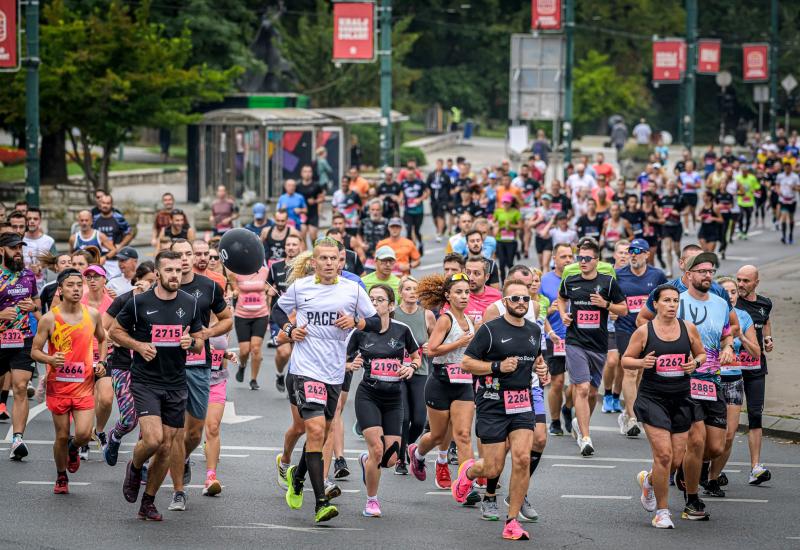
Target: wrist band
496, 367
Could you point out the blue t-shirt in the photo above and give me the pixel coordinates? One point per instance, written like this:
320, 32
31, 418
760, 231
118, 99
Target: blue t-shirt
550, 284
290, 203
745, 322
712, 320
488, 250
636, 290
677, 283
355, 278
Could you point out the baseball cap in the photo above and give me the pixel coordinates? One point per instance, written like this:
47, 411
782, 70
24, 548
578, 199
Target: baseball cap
546, 197
394, 221
508, 197
703, 257
11, 239
69, 272
127, 253
94, 268
259, 211
385, 253
640, 244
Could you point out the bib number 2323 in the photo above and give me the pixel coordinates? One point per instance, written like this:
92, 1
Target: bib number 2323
588, 319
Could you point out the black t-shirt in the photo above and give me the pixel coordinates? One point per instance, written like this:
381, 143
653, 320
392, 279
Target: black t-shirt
146, 317
589, 327
383, 354
46, 296
439, 184
412, 195
672, 205
210, 297
759, 310
459, 208
497, 340
477, 210
636, 219
458, 185
373, 232
310, 191
390, 208
120, 358
725, 201
589, 228
563, 200
276, 276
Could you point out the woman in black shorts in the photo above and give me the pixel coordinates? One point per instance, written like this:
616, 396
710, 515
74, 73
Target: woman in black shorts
669, 350
710, 223
379, 400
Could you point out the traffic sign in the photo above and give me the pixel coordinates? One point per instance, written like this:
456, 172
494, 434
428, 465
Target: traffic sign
724, 79
9, 35
789, 83
761, 93
536, 81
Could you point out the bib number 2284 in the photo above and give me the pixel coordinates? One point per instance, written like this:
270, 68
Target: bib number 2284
517, 401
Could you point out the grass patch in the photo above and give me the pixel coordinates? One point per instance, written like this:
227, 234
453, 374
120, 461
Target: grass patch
175, 151
17, 172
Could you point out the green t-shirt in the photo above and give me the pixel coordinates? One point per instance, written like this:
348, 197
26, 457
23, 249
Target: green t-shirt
504, 219
602, 267
372, 280
749, 185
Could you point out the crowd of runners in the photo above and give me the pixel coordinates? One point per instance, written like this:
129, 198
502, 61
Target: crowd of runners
547, 303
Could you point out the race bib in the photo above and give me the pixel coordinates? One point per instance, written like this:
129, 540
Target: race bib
166, 336
457, 375
517, 401
560, 348
196, 359
670, 365
668, 212
507, 234
386, 370
703, 390
589, 319
217, 355
556, 206
253, 302
316, 392
635, 303
11, 339
71, 372
745, 361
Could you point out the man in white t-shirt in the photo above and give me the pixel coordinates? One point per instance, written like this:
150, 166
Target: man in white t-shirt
128, 260
642, 132
788, 185
36, 244
580, 180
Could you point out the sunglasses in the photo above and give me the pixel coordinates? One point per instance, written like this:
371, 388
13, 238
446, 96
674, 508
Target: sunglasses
633, 250
459, 277
515, 299
587, 259
214, 257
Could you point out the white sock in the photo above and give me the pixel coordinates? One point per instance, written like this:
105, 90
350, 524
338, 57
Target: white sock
372, 498
442, 458
662, 511
417, 455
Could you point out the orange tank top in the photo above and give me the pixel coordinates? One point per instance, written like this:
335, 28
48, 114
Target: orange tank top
76, 377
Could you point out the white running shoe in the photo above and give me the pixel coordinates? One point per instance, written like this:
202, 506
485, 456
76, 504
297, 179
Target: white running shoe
622, 421
632, 428
576, 431
648, 496
282, 469
759, 475
586, 447
663, 520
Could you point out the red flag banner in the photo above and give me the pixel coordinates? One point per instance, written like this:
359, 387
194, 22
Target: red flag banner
353, 32
546, 15
9, 35
755, 62
669, 60
708, 56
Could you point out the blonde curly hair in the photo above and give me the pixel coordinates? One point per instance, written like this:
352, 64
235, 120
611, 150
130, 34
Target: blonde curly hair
301, 266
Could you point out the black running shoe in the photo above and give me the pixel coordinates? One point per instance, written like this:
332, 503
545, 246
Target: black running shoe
280, 383
340, 469
132, 483
566, 412
240, 374
555, 428
452, 454
695, 511
254, 385
400, 469
723, 479
713, 489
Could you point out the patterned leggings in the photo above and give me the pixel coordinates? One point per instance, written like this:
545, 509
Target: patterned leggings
127, 412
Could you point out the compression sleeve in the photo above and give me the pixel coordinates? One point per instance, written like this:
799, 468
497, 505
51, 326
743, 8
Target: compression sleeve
279, 316
372, 324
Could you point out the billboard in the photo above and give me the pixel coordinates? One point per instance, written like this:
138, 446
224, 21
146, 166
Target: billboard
708, 56
669, 60
546, 15
353, 32
9, 35
755, 62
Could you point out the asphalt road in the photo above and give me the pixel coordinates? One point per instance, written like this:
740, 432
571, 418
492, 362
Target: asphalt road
582, 502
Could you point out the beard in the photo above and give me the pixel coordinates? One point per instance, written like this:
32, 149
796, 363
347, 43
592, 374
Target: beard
201, 265
13, 263
519, 315
702, 286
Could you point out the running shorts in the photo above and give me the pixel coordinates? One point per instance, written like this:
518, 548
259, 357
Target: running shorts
314, 398
198, 381
439, 395
60, 404
170, 405
585, 366
543, 244
623, 339
712, 413
376, 408
493, 424
556, 364
673, 232
733, 391
674, 413
790, 207
612, 341
250, 328
17, 358
690, 199
218, 393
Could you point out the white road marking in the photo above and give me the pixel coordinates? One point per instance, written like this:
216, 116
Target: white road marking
582, 466
81, 483
598, 497
732, 471
740, 258
442, 492
288, 528
229, 415
32, 413
310, 490
198, 486
751, 500
201, 455
603, 429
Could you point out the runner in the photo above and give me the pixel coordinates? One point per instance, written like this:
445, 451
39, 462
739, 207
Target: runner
503, 355
672, 204
113, 224
612, 370
36, 244
385, 261
207, 264
275, 237
406, 253
788, 184
589, 297
438, 183
224, 211
413, 193
314, 196
666, 350
159, 326
251, 318
710, 223
481, 295
508, 221
68, 330
178, 228
88, 236
276, 285
372, 230
691, 182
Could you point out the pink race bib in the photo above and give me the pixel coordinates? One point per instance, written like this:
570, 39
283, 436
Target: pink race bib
507, 234
11, 339
166, 336
670, 365
703, 390
71, 372
386, 370
635, 303
517, 401
559, 348
457, 375
196, 359
316, 392
217, 355
253, 301
745, 361
589, 319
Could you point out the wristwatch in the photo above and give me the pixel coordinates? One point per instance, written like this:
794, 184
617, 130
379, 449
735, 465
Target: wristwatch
288, 328
193, 342
697, 363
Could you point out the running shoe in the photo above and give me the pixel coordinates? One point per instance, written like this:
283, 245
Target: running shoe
452, 454
759, 475
514, 531
187, 472
372, 509
586, 446
632, 427
132, 483
357, 430
463, 485
712, 489
325, 512
282, 468
73, 460
566, 412
489, 509
527, 513
723, 479
680, 479
340, 469
254, 385
111, 452
362, 461
608, 404
576, 431
443, 480
178, 502
4, 413
18, 448
555, 428
293, 498
62, 485
481, 482
331, 490
212, 487
616, 406
148, 511
695, 511
31, 390
144, 473
84, 452
101, 439
473, 498
648, 496
280, 383
662, 520
400, 469
622, 421
417, 465
240, 374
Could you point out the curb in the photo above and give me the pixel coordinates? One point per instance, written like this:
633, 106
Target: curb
787, 428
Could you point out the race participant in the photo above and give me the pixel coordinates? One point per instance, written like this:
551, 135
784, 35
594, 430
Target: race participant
216, 408
481, 295
691, 183
438, 183
178, 228
749, 190
274, 237
113, 225
544, 244
666, 350
210, 298
327, 307
458, 240
590, 224
636, 281
710, 223
652, 226
207, 264
68, 330
277, 285
223, 211
372, 230
295, 205
314, 197
406, 253
119, 363
162, 217
452, 264
449, 395
788, 184
389, 193
159, 326
385, 261
612, 371
672, 204
615, 228
352, 242
127, 259
474, 247
507, 220
747, 356
87, 236
56, 263
347, 202
379, 399
413, 192
759, 307
19, 303
251, 319
350, 260
36, 243
584, 303
635, 216
503, 355
421, 322
260, 221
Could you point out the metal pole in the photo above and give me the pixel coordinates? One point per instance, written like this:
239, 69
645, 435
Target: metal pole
385, 53
773, 68
691, 76
32, 102
760, 118
569, 6
722, 120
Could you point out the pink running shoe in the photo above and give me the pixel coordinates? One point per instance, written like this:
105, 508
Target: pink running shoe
372, 509
514, 531
462, 485
417, 466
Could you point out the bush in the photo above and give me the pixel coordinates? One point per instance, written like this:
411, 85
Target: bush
10, 156
636, 153
409, 153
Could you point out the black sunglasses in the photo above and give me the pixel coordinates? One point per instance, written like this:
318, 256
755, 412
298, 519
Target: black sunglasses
587, 259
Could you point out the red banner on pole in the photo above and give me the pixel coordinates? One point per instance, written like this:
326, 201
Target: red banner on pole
755, 62
353, 32
708, 56
546, 15
9, 35
669, 60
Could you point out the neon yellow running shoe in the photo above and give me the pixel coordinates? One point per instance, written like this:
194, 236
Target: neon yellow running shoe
293, 499
326, 512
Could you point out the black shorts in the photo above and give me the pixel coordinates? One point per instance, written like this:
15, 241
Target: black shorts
348, 379
307, 395
612, 341
674, 413
709, 232
440, 394
774, 199
439, 208
690, 199
623, 339
790, 208
377, 408
493, 424
250, 328
712, 413
17, 358
169, 405
312, 218
673, 232
555, 364
543, 244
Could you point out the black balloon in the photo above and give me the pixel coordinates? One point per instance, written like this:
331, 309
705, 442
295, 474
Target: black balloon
241, 251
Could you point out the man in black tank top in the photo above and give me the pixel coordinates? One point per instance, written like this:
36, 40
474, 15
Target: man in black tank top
274, 238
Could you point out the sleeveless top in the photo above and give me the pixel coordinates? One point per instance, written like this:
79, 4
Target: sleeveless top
182, 234
706, 215
456, 355
275, 248
105, 303
613, 232
252, 301
76, 377
419, 329
94, 240
666, 377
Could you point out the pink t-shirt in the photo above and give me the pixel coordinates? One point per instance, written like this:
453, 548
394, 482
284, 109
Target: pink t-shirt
478, 303
252, 301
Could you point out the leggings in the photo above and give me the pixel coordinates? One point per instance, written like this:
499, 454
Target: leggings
505, 256
754, 388
728, 226
121, 379
414, 411
744, 219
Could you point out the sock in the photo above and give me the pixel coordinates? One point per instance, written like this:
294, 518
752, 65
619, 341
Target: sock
691, 498
791, 231
136, 470
300, 472
442, 458
487, 498
210, 473
704, 471
62, 474
375, 498
17, 434
607, 393
420, 457
615, 396
314, 464
662, 511
535, 458
71, 446
783, 229
3, 396
491, 485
